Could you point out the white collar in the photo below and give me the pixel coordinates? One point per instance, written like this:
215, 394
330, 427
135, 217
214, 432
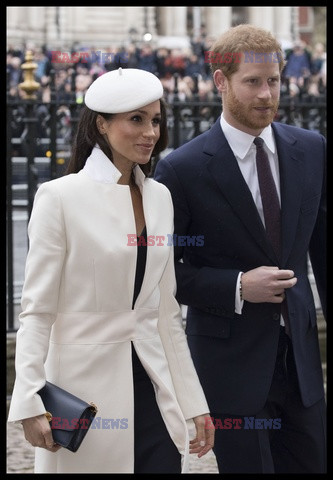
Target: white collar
240, 142
101, 169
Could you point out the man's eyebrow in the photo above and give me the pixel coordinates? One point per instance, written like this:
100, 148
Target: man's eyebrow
257, 75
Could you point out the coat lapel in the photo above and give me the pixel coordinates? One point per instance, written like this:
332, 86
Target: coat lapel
158, 227
291, 181
224, 168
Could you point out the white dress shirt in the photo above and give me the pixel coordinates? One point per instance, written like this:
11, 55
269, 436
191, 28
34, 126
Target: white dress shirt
242, 145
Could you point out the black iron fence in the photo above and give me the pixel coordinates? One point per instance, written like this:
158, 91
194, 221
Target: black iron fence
39, 138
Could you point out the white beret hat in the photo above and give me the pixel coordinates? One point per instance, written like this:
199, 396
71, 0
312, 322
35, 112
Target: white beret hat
123, 90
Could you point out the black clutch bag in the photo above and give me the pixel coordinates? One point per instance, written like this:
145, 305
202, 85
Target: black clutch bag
69, 416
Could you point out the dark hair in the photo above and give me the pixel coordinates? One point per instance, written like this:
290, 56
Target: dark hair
87, 136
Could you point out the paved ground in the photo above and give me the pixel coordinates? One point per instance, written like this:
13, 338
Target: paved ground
20, 454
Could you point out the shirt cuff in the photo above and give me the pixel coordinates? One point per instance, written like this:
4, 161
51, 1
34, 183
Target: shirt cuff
238, 301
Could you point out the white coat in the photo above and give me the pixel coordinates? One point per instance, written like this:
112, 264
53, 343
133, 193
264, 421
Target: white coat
77, 321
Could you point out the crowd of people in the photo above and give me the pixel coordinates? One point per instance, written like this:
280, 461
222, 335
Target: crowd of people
305, 71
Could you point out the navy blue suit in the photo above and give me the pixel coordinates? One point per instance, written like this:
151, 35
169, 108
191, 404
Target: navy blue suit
235, 355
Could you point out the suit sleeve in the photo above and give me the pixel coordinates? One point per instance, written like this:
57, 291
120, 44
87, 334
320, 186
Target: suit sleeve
39, 302
207, 288
318, 243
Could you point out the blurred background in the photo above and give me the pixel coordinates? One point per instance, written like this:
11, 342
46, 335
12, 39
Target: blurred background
164, 40
65, 27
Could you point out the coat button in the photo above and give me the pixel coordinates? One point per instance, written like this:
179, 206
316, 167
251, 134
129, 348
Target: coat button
276, 316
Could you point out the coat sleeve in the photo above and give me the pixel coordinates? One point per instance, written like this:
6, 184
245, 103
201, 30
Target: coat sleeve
47, 246
187, 386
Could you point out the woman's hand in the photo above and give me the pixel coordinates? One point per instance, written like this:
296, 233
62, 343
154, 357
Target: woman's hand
205, 434
37, 431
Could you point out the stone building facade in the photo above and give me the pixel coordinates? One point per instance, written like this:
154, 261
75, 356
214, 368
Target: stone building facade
67, 27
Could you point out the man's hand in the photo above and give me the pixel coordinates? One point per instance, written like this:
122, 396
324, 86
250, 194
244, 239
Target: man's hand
266, 284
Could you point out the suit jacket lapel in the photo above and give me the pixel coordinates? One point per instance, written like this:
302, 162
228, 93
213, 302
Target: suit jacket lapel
291, 181
223, 166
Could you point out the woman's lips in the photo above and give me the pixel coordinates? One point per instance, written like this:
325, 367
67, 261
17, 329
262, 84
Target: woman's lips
145, 146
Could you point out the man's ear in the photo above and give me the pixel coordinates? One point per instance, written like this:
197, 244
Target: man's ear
100, 122
220, 81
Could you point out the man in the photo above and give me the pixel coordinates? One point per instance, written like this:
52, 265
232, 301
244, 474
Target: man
251, 321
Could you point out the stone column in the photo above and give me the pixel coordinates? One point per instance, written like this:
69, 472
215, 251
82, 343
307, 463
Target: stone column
178, 26
72, 26
52, 29
13, 35
35, 18
12, 16
283, 24
196, 21
262, 17
173, 21
218, 20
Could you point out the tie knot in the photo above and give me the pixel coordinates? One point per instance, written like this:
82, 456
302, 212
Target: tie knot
258, 142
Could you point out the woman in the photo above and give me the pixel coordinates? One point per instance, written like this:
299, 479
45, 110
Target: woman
99, 317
